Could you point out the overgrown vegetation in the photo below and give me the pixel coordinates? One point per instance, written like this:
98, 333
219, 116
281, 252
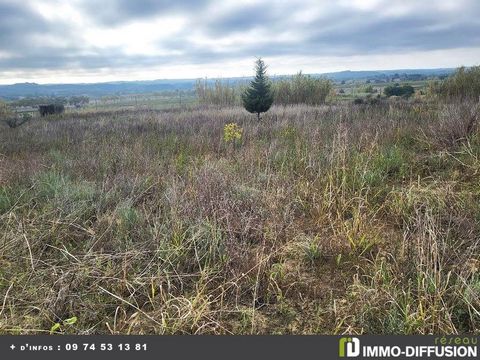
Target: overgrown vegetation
302, 89
296, 89
222, 93
461, 86
8, 117
316, 220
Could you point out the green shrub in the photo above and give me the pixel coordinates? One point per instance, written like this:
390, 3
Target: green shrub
397, 90
358, 101
369, 89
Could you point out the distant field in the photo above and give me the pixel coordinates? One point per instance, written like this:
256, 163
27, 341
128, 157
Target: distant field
152, 101
147, 101
330, 219
356, 89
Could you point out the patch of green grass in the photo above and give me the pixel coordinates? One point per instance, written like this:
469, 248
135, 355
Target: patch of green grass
311, 250
389, 163
58, 191
5, 200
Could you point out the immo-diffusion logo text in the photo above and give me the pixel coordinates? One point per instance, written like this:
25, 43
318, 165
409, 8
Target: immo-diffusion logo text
458, 348
349, 347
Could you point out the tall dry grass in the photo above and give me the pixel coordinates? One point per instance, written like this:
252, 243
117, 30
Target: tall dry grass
324, 219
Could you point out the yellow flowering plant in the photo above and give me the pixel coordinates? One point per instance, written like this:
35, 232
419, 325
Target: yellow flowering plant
232, 132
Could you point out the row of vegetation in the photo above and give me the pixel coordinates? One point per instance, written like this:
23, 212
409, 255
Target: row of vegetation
306, 89
463, 85
296, 89
302, 89
220, 94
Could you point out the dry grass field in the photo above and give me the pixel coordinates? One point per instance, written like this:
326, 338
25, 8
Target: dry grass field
317, 219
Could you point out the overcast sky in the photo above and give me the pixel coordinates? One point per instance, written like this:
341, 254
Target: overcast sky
51, 41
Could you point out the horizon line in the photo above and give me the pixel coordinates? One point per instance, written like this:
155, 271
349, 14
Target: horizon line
228, 77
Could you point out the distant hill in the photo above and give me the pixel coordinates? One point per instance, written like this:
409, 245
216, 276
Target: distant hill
96, 90
93, 90
376, 74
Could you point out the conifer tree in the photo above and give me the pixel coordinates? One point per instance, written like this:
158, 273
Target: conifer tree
258, 97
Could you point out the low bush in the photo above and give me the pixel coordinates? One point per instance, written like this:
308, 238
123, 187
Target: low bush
399, 90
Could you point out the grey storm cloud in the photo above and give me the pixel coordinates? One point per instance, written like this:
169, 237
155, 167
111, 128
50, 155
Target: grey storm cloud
17, 24
245, 18
338, 31
403, 34
112, 12
21, 33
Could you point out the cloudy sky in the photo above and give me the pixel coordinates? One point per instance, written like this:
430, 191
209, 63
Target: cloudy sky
51, 41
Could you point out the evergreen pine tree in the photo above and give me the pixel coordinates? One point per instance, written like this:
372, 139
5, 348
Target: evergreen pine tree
258, 97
